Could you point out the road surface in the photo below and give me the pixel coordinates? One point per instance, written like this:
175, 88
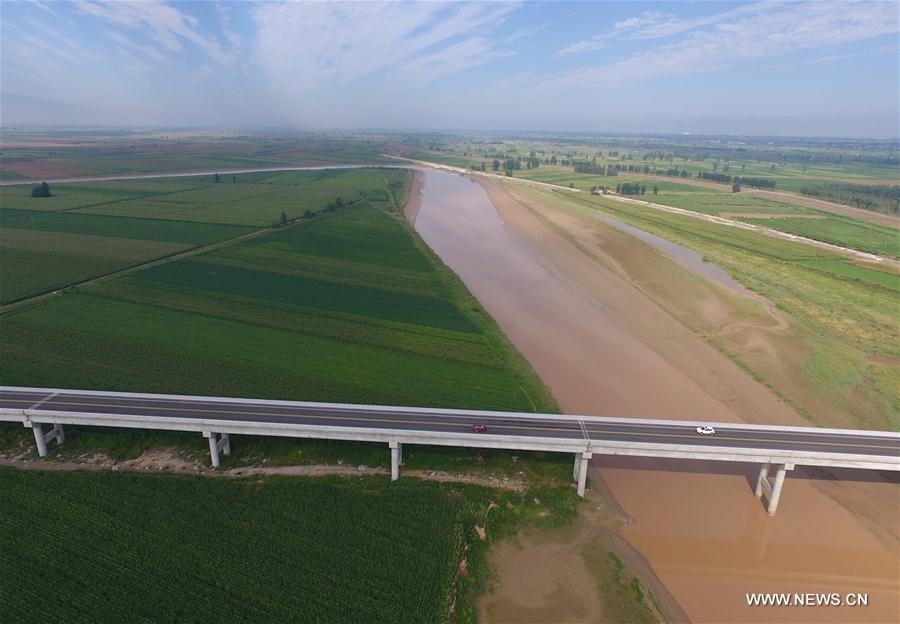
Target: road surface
576, 428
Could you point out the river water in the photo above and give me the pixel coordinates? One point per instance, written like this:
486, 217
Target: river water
699, 526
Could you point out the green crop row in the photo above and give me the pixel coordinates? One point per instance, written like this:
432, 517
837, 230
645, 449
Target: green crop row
119, 547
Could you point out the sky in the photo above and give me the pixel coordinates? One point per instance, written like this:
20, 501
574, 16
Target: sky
764, 68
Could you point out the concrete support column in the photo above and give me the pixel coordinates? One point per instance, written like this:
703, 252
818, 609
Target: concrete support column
396, 451
576, 466
213, 448
762, 479
41, 438
770, 489
221, 443
776, 490
582, 472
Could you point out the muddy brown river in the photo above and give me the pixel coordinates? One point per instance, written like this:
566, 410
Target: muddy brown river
603, 348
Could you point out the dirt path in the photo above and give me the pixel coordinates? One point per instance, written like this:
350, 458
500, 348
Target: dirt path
181, 174
173, 461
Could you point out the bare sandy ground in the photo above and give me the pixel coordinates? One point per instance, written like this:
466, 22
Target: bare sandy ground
414, 201
605, 343
172, 461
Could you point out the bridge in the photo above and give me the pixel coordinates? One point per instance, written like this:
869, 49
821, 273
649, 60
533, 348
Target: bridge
776, 449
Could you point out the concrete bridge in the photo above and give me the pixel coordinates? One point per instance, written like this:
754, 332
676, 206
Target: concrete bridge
777, 450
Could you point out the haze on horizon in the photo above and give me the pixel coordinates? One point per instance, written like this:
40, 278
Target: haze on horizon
764, 68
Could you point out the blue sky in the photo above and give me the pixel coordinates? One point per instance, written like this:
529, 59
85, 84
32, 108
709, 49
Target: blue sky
795, 68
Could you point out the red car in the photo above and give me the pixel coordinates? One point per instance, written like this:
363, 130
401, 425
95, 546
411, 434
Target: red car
479, 428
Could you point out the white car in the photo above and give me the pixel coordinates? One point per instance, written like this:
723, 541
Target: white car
706, 430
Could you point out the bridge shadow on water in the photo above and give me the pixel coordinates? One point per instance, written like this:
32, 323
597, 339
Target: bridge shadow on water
749, 470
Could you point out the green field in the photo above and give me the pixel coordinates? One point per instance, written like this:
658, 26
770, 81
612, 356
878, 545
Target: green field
146, 548
91, 229
89, 153
843, 313
348, 307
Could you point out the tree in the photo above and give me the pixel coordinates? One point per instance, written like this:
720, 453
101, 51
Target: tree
736, 187
234, 179
41, 190
308, 214
283, 218
655, 190
339, 202
217, 178
496, 165
618, 188
643, 189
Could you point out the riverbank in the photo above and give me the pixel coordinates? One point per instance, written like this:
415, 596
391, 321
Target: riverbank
557, 286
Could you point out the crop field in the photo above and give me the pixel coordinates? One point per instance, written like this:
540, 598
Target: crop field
347, 307
842, 312
115, 547
91, 229
839, 231
38, 155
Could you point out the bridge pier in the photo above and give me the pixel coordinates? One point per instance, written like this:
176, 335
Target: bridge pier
581, 465
772, 490
396, 459
41, 438
223, 443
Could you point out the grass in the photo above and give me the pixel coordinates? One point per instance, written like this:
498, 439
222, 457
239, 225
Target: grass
714, 203
843, 314
623, 596
841, 231
117, 546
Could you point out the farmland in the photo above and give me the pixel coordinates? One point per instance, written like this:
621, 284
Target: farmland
117, 546
38, 154
91, 229
347, 307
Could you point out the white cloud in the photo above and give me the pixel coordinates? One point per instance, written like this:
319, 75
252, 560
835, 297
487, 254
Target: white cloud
62, 46
310, 45
161, 22
127, 42
749, 33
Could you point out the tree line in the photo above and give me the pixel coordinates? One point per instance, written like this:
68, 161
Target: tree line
761, 183
872, 197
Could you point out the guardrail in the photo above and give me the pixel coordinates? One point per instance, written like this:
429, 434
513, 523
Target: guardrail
39, 410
